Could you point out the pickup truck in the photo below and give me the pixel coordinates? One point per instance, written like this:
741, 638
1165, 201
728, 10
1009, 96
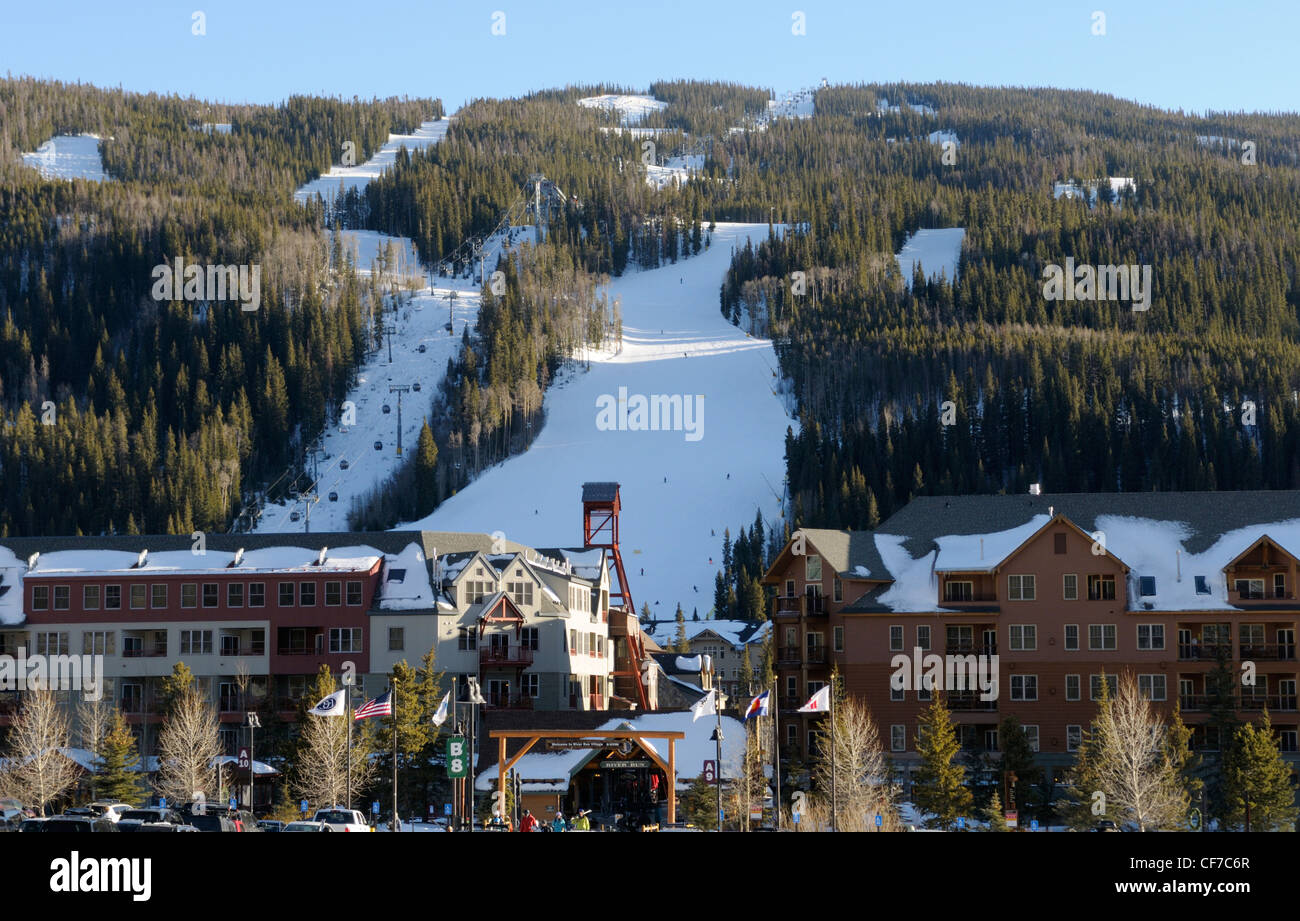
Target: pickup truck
340, 819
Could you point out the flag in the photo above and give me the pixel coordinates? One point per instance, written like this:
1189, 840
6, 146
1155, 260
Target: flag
819, 702
380, 706
441, 716
758, 706
705, 706
330, 706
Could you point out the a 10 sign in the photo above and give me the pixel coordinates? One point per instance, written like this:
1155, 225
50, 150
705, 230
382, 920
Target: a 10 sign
457, 758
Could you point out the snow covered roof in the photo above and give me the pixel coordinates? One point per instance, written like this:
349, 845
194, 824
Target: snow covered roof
404, 582
180, 562
735, 632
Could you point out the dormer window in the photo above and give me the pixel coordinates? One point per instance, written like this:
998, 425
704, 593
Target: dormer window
1252, 589
1202, 585
1146, 586
958, 591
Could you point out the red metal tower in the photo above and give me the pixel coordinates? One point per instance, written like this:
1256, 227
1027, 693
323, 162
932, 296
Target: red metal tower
600, 508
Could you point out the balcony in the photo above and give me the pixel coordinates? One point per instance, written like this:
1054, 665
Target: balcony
1203, 652
958, 597
1267, 652
1200, 703
972, 649
500, 701
969, 702
145, 651
256, 649
801, 606
504, 657
789, 655
815, 655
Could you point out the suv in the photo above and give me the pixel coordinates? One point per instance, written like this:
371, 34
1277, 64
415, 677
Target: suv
107, 809
132, 819
340, 819
78, 823
211, 821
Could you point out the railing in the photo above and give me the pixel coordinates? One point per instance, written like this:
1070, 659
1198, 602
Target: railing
815, 655
1203, 651
597, 702
1201, 702
147, 703
151, 651
790, 704
1274, 652
501, 655
970, 702
787, 606
984, 597
299, 651
972, 649
509, 702
257, 649
789, 655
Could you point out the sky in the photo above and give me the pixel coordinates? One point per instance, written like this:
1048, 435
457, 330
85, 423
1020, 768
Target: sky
1195, 55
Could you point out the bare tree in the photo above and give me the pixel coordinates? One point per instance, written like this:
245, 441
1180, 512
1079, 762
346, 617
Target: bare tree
322, 767
187, 746
1132, 766
37, 772
94, 720
862, 783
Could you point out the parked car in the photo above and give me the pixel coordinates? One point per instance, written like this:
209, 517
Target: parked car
212, 821
164, 827
78, 823
340, 819
107, 809
308, 826
270, 825
423, 348
37, 824
132, 819
416, 386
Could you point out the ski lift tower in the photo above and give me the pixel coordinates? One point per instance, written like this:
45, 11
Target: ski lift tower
600, 510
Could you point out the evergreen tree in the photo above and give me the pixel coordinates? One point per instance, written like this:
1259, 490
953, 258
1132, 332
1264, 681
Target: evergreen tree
938, 786
993, 814
426, 461
1257, 781
1018, 759
119, 764
681, 645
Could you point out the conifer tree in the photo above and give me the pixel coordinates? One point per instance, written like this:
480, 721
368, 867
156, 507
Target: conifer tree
119, 764
1257, 781
939, 784
993, 814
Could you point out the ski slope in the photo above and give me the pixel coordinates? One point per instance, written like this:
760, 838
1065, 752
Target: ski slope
69, 156
631, 108
342, 178
676, 494
938, 252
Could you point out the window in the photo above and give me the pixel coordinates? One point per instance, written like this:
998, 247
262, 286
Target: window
1031, 733
1094, 686
1146, 586
922, 636
1286, 740
1024, 687
466, 639
62, 597
896, 638
40, 598
158, 596
235, 595
1058, 543
898, 737
1151, 687
1101, 636
132, 697
286, 594
1279, 585
837, 590
354, 593
257, 594
528, 637
532, 685
1251, 635
1250, 588
1073, 738
813, 569
789, 588
990, 740
791, 686
925, 692
520, 592
896, 694
112, 597
139, 592
1151, 636
1070, 586
90, 597
837, 637
333, 594
189, 595
1023, 636
97, 643
476, 591
211, 594
1072, 636
52, 644
1202, 586
1071, 687
1020, 588
306, 594
196, 642
396, 639
958, 591
1101, 588
345, 639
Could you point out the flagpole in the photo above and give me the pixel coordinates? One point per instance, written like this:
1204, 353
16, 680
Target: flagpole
834, 826
347, 714
717, 712
396, 823
776, 758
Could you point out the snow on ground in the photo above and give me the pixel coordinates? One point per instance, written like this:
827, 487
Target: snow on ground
883, 105
792, 105
631, 108
674, 170
69, 156
341, 178
1077, 190
942, 137
215, 127
937, 250
674, 489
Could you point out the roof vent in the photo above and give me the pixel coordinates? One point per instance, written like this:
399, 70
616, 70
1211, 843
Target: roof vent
31, 560
140, 560
239, 558
1035, 489
320, 558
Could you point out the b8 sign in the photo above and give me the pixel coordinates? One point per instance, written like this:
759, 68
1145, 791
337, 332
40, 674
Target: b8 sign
457, 760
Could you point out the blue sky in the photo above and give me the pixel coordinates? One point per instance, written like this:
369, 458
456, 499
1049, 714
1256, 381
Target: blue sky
1195, 55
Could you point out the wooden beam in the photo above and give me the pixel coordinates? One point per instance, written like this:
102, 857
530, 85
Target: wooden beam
672, 781
519, 754
536, 734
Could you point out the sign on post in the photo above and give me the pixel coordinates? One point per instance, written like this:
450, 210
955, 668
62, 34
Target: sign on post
446, 809
374, 808
457, 762
710, 773
961, 821
879, 820
1011, 818
244, 761
303, 807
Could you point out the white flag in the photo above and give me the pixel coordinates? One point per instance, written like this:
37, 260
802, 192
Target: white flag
441, 716
330, 706
819, 702
705, 706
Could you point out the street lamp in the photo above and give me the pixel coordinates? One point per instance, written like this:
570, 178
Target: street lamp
251, 721
717, 775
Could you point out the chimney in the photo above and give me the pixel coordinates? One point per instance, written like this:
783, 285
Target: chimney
1035, 489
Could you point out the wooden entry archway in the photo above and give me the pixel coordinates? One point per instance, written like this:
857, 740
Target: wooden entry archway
534, 736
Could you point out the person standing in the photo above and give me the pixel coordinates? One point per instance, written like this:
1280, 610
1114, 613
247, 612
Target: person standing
582, 823
558, 823
528, 823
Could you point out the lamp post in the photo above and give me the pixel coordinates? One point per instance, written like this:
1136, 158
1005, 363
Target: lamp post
251, 722
717, 776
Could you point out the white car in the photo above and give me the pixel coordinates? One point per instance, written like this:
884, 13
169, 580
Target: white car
340, 819
110, 811
307, 826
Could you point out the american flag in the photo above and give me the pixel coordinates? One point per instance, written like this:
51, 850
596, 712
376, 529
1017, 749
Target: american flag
380, 706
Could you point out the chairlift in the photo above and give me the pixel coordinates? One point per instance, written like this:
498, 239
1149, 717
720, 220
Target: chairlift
334, 497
